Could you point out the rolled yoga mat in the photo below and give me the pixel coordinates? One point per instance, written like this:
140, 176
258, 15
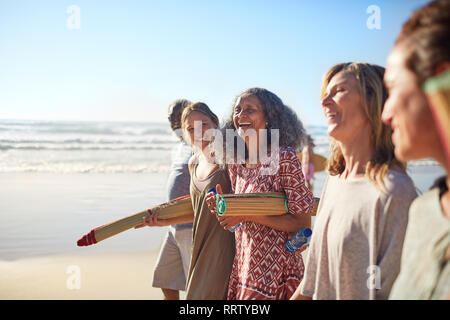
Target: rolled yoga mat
175, 208
248, 204
270, 203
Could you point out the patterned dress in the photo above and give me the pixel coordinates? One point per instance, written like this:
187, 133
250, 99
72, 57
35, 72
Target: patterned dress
263, 268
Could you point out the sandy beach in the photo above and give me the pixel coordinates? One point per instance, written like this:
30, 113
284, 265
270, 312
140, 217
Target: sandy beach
39, 258
102, 276
43, 215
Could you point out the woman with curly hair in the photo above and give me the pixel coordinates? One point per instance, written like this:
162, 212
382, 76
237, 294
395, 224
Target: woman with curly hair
263, 268
363, 212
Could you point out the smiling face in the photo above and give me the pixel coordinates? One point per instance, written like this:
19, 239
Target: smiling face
407, 111
248, 115
343, 108
196, 125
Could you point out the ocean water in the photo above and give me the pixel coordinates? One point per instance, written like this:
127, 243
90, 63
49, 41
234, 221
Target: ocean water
100, 147
61, 179
84, 147
94, 147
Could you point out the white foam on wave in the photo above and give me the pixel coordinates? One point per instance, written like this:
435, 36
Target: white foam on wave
101, 147
84, 168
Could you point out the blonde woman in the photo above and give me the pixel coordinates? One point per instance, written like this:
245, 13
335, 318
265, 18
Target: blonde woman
360, 226
212, 247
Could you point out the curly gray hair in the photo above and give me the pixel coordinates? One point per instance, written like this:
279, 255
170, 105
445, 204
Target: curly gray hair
278, 116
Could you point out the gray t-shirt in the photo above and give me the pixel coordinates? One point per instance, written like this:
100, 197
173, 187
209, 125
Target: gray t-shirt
179, 178
357, 238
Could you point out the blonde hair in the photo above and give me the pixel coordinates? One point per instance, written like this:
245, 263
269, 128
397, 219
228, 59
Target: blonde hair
373, 96
200, 107
203, 108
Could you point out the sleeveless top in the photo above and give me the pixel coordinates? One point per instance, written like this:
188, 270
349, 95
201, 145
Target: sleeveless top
213, 247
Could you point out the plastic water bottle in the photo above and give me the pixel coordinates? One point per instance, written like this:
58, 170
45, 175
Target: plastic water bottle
234, 228
300, 238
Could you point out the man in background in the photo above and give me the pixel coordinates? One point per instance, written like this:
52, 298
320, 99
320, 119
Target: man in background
173, 261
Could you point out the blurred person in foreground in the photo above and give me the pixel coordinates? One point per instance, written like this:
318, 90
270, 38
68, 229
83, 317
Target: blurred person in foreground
421, 52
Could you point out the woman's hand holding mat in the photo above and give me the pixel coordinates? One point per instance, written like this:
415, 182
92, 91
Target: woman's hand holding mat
211, 199
226, 222
151, 220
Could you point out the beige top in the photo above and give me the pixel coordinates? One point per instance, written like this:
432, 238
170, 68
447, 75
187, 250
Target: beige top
213, 247
357, 238
425, 271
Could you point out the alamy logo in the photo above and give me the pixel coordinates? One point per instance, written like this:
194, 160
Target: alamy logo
374, 20
374, 280
73, 282
229, 147
74, 20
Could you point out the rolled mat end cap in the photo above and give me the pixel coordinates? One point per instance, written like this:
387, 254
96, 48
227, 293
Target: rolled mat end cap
87, 239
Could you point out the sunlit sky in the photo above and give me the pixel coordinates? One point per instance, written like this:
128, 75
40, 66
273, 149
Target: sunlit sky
129, 59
